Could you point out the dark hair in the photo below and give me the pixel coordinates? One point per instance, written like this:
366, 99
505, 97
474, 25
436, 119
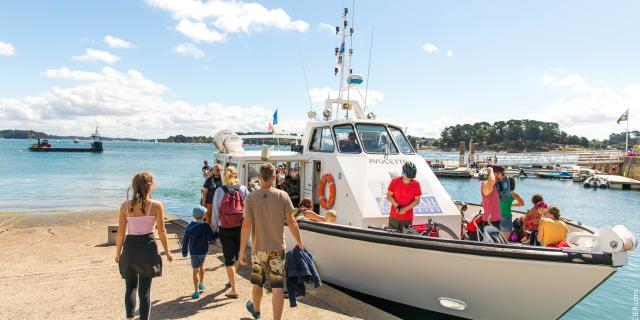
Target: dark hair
512, 183
537, 198
141, 185
306, 202
498, 169
267, 171
555, 212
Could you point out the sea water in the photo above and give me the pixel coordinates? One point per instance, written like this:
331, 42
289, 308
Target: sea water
44, 182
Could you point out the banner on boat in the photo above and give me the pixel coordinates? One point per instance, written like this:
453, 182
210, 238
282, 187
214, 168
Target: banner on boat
428, 203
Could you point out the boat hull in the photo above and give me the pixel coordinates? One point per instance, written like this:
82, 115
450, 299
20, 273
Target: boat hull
489, 279
64, 150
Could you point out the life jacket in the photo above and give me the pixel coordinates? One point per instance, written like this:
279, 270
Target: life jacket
231, 208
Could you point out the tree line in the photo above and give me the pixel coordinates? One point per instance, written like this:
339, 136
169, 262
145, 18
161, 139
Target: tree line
513, 136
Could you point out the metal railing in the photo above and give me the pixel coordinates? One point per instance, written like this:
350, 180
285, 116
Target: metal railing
529, 158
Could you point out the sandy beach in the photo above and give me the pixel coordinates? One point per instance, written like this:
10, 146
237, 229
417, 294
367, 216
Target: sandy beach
58, 266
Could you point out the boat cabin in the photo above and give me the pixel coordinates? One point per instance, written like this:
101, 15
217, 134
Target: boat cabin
358, 156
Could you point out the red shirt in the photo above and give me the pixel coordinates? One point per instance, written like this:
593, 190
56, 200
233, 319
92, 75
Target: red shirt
404, 195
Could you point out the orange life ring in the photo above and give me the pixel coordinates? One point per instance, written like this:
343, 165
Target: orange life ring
327, 203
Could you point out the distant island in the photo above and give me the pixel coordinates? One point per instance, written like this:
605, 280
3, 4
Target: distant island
510, 136
525, 135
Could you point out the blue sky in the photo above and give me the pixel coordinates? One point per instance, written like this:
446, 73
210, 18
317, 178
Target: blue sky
194, 67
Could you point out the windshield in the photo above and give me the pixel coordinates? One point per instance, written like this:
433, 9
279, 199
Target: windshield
401, 140
375, 139
346, 138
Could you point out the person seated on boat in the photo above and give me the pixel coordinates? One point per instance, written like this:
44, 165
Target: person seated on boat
350, 145
553, 231
330, 216
304, 205
404, 194
532, 220
491, 195
506, 218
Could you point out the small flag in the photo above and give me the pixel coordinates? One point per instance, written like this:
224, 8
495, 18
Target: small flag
273, 121
624, 116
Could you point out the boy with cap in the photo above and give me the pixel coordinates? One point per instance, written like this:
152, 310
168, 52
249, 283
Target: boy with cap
196, 241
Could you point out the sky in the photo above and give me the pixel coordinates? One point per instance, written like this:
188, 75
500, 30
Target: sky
155, 68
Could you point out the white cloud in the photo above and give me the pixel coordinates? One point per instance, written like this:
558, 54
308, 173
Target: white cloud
198, 31
320, 95
449, 53
225, 17
190, 50
92, 55
430, 48
586, 109
67, 74
6, 49
327, 27
125, 104
114, 42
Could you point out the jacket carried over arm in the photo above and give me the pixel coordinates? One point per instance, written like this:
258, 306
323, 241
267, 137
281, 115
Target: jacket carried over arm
300, 270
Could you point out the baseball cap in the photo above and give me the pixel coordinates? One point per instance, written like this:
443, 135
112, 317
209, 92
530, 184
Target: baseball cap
199, 211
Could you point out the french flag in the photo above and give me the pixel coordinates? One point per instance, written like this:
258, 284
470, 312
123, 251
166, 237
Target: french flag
273, 121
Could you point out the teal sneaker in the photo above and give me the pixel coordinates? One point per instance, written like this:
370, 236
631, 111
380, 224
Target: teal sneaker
201, 287
195, 295
254, 313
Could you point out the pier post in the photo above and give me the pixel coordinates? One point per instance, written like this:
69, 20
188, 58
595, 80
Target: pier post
461, 160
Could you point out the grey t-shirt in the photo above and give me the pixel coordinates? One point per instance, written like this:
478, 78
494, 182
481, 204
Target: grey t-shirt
267, 212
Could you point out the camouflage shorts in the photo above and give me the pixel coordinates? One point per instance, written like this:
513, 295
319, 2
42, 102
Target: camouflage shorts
267, 264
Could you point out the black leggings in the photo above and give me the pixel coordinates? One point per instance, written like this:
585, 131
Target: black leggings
143, 285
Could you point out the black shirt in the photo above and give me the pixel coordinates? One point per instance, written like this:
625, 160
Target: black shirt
205, 169
211, 184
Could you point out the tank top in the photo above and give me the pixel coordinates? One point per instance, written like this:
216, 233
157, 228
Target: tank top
505, 207
491, 204
140, 225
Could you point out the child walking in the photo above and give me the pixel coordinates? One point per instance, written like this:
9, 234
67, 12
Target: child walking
196, 242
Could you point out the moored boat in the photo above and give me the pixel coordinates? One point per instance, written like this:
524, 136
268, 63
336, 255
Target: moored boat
43, 145
345, 162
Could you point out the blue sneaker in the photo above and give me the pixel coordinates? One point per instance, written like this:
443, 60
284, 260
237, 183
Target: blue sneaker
254, 313
201, 287
195, 295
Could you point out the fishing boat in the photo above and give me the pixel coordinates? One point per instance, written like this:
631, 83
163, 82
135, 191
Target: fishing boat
43, 145
345, 160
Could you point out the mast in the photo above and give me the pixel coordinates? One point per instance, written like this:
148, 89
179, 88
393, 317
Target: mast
626, 142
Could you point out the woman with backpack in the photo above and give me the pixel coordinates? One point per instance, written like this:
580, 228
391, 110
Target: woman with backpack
228, 207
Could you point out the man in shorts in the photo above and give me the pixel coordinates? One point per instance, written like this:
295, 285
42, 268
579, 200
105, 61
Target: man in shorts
265, 212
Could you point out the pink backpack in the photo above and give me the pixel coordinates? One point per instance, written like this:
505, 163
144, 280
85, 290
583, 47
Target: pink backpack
231, 208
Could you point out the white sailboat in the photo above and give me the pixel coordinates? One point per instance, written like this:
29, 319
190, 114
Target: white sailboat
354, 156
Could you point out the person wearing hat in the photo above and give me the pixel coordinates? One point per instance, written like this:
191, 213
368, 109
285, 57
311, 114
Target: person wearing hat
197, 237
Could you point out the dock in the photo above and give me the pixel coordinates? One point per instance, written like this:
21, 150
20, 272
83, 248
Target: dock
620, 182
58, 266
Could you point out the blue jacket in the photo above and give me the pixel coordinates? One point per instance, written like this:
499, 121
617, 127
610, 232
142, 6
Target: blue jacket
300, 270
196, 238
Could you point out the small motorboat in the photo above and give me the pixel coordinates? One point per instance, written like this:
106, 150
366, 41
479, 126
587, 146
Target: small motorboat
76, 141
555, 175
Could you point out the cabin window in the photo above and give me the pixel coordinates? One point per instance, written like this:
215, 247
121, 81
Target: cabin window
375, 139
287, 178
321, 140
401, 140
346, 138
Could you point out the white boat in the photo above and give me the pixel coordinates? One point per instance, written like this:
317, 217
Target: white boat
440, 274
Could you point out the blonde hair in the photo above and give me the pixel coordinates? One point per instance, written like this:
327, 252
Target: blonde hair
141, 186
230, 177
331, 213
